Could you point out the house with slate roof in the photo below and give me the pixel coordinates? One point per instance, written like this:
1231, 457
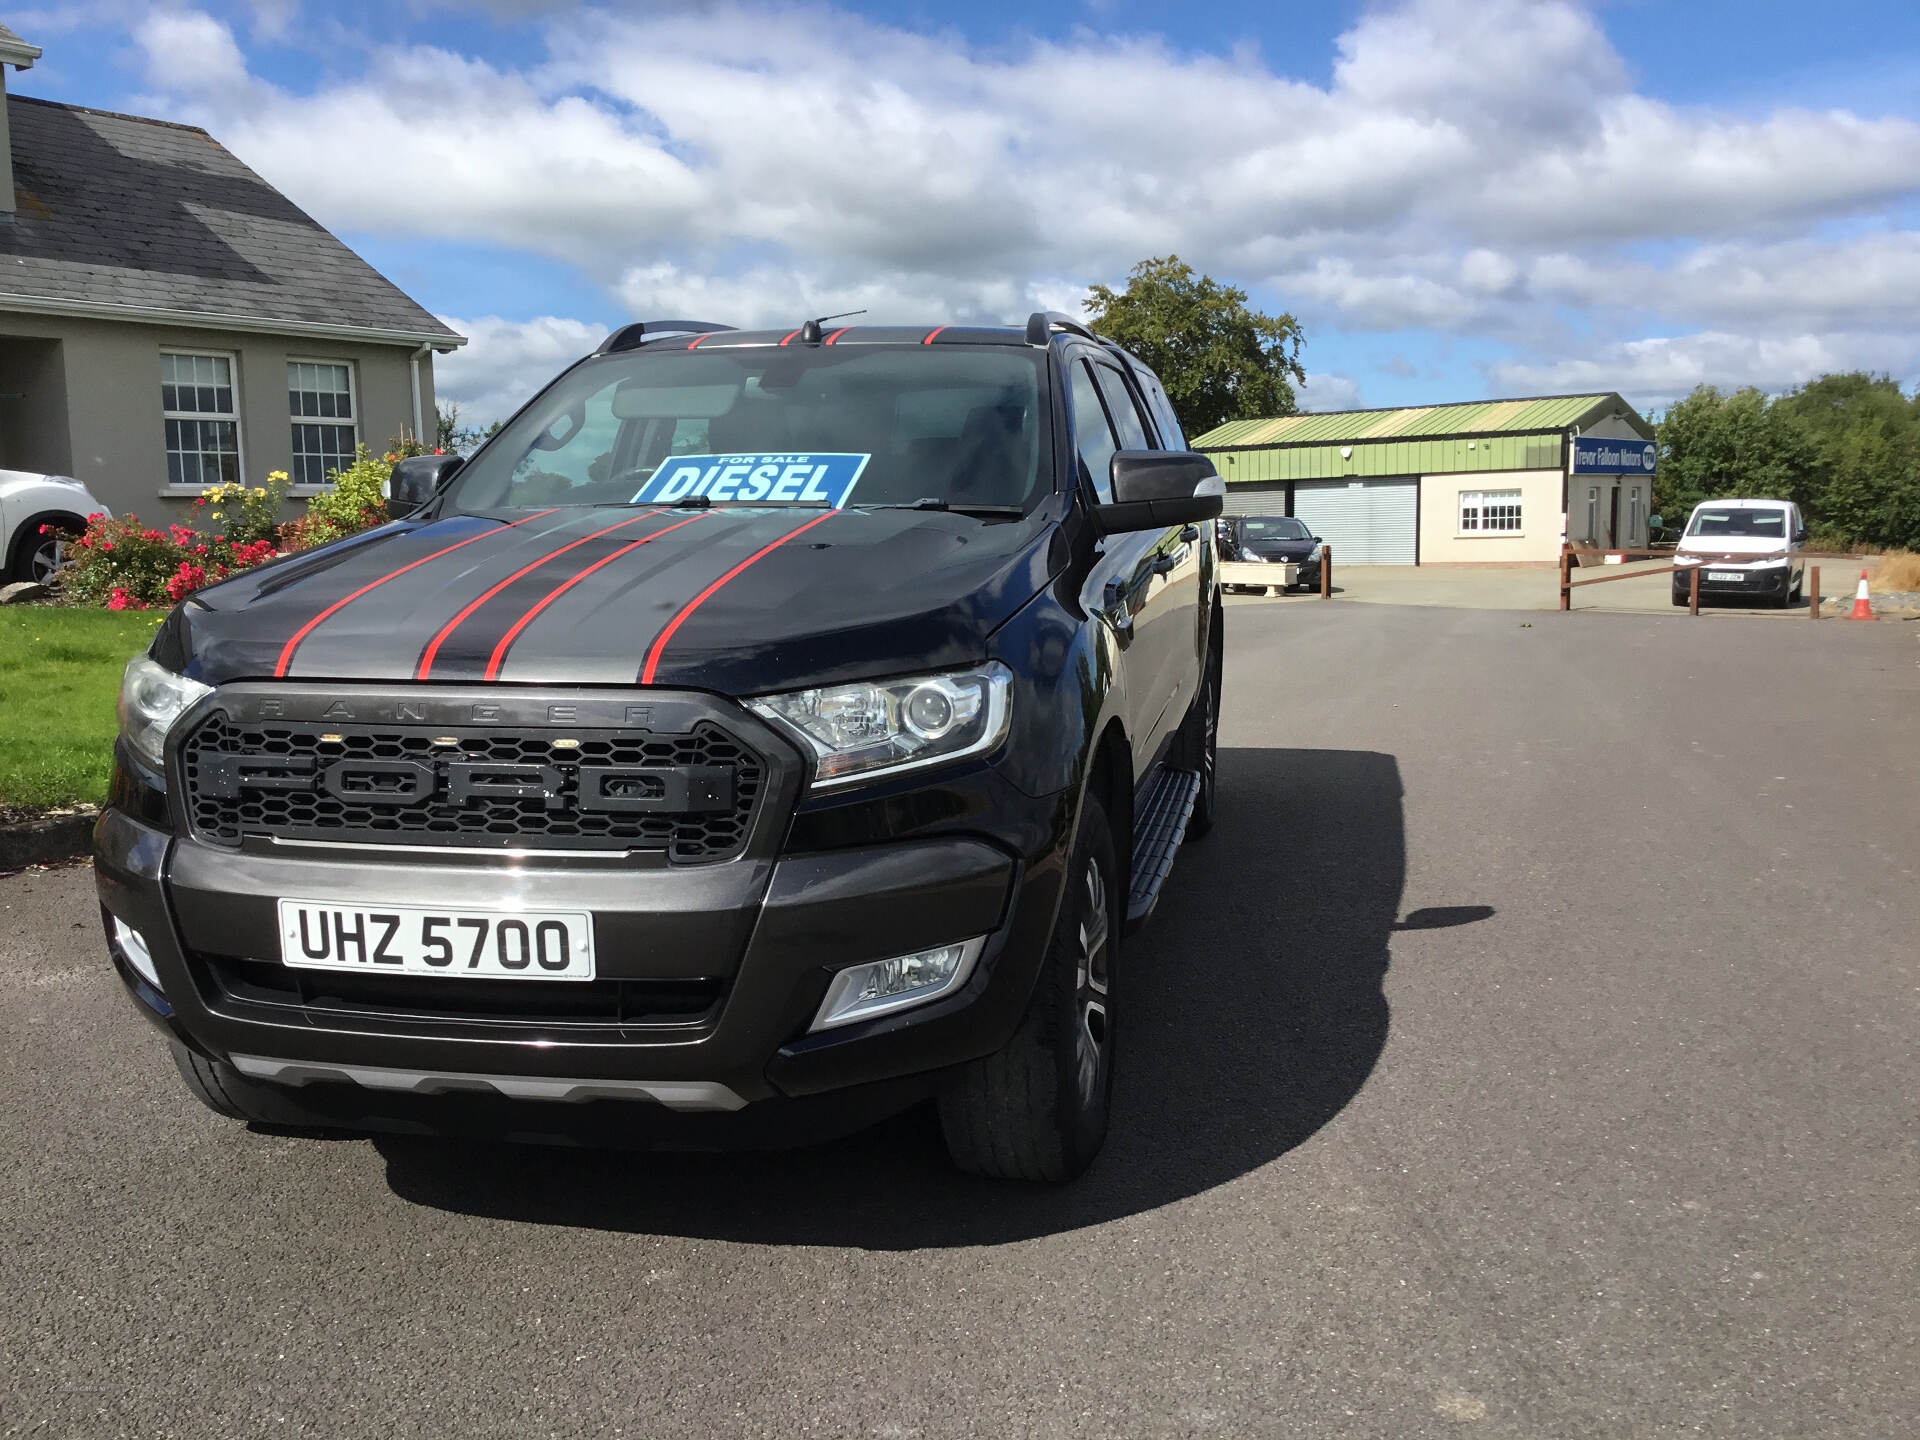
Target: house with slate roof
1479, 481
169, 320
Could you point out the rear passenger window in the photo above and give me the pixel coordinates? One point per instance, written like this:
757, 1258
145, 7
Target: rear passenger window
1092, 436
1120, 403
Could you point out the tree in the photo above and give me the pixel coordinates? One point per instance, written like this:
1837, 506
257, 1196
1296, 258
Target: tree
1218, 359
1865, 437
1846, 447
1740, 444
453, 437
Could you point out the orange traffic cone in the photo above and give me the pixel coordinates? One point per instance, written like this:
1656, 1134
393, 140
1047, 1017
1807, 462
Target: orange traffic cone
1861, 609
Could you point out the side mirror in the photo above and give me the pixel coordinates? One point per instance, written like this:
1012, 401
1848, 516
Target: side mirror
416, 478
1155, 488
1800, 536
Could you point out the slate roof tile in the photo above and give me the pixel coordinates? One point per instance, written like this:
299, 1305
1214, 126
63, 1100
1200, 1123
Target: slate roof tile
118, 210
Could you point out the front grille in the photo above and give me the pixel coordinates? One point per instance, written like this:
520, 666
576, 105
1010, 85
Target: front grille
326, 993
691, 795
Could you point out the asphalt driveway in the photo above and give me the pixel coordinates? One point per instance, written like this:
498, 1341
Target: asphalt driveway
1530, 1051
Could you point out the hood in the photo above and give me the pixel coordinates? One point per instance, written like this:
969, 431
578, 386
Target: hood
1290, 549
735, 600
18, 482
1755, 545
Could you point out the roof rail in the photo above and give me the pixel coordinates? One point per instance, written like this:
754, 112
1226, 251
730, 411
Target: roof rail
1042, 323
630, 337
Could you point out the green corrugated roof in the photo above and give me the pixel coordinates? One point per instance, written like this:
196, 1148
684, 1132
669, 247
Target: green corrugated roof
1471, 417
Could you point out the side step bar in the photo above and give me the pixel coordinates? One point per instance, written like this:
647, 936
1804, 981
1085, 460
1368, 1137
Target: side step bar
1159, 825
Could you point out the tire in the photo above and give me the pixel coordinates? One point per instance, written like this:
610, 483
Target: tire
1037, 1108
1200, 746
37, 556
225, 1091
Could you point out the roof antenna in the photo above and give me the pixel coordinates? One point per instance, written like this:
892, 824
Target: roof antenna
810, 332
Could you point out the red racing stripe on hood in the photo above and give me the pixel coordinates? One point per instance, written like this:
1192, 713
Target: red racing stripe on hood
293, 643
433, 645
513, 632
648, 670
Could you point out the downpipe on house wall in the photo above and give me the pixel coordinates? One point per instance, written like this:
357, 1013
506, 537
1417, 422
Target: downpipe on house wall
413, 368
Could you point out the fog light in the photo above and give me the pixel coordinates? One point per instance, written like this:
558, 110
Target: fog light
862, 991
133, 945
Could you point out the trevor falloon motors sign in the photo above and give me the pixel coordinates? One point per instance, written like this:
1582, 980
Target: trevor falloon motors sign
1593, 455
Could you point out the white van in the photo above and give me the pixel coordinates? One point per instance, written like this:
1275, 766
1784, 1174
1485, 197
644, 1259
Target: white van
1746, 548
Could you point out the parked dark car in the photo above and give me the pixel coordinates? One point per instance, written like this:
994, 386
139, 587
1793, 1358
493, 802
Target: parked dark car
1274, 539
763, 732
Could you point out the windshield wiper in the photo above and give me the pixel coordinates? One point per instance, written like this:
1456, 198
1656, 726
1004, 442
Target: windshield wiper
934, 502
688, 502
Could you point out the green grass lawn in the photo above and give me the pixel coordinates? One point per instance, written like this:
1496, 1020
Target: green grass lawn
59, 677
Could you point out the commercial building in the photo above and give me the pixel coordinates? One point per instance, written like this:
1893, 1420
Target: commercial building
1479, 481
169, 320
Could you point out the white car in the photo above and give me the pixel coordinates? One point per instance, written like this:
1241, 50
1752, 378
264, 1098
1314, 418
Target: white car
1744, 548
28, 502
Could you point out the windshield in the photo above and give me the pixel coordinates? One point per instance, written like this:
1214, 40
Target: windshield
765, 425
1764, 524
1274, 527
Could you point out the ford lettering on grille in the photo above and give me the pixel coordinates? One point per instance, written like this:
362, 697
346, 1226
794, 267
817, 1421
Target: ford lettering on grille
692, 795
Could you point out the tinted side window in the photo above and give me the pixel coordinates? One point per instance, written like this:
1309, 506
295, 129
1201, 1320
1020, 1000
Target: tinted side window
1121, 405
1092, 436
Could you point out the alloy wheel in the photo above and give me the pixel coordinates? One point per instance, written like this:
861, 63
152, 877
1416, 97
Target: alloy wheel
1092, 1035
1209, 750
46, 558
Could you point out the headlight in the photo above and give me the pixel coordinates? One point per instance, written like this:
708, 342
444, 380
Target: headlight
1314, 553
858, 730
152, 697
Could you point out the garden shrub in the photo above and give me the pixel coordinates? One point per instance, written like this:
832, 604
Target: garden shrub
246, 516
125, 565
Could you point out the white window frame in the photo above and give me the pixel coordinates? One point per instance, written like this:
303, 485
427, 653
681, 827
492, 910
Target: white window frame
353, 398
232, 357
1480, 499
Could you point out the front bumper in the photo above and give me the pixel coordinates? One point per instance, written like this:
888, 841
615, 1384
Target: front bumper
1761, 582
762, 935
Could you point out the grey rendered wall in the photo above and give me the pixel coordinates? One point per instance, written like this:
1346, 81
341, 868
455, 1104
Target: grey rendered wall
118, 435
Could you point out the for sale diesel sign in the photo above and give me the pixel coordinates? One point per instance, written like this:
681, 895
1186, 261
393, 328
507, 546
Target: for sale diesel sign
1596, 456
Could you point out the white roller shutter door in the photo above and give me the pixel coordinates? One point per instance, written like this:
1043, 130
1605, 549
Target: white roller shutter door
1367, 522
1265, 499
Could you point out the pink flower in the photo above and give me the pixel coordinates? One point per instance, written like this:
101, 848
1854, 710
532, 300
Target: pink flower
120, 599
106, 544
185, 581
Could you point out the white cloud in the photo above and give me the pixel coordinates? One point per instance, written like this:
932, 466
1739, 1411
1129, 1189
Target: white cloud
1472, 166
1658, 370
194, 55
505, 361
1330, 392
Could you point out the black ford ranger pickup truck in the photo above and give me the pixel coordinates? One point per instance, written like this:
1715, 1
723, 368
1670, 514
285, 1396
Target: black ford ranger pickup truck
761, 733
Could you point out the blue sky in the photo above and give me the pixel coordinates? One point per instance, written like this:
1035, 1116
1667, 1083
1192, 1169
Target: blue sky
1457, 197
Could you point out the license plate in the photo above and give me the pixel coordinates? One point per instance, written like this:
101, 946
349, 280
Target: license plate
1730, 577
415, 940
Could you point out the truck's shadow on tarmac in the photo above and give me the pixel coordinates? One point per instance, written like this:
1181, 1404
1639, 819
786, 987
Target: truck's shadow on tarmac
1253, 1013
